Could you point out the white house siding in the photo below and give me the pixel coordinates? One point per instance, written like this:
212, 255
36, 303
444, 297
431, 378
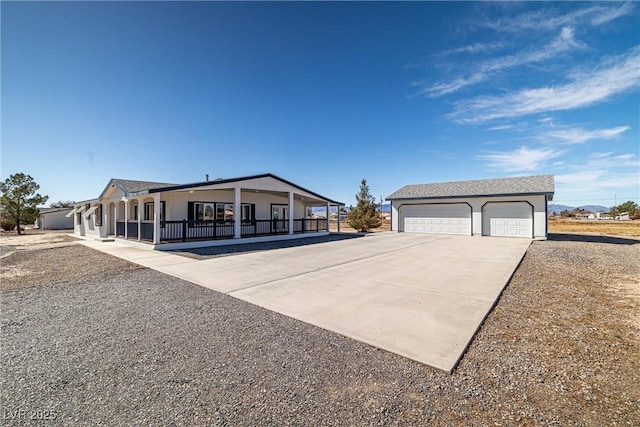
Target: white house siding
537, 201
176, 203
90, 227
55, 220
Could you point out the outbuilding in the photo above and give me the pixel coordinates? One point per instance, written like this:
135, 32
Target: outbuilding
54, 219
504, 207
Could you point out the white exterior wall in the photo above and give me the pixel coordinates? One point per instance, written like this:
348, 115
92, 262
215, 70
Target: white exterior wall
176, 203
88, 227
537, 201
56, 220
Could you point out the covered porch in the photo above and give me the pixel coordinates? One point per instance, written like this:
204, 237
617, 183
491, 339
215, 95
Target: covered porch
221, 211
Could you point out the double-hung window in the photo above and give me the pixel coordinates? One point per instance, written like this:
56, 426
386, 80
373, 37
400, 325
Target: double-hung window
99, 215
149, 209
224, 211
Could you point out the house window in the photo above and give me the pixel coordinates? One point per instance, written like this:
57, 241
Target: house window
98, 213
203, 211
280, 212
149, 209
224, 211
246, 212
79, 218
135, 212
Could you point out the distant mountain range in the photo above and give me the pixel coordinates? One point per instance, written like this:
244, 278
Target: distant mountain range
589, 208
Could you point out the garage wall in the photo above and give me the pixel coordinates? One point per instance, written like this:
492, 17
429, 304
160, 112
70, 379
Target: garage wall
538, 202
55, 220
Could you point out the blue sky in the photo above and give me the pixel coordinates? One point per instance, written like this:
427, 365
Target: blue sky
323, 94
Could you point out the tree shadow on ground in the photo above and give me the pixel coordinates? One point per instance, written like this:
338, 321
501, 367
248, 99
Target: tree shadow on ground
214, 251
587, 238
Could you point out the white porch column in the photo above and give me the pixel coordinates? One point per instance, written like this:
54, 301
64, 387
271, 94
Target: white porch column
126, 218
237, 215
115, 216
139, 221
328, 223
291, 210
338, 218
156, 218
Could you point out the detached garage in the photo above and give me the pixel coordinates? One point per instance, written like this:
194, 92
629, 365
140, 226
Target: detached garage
506, 207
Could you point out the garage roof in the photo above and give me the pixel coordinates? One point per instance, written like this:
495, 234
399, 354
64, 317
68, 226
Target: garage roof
537, 184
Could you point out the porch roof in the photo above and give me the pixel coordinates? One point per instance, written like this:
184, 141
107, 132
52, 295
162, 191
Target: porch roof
234, 180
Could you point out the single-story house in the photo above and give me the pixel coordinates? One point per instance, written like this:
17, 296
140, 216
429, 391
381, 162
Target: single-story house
169, 216
506, 207
54, 219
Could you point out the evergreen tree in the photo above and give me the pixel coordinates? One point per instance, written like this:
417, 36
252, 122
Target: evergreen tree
629, 206
19, 201
364, 215
62, 204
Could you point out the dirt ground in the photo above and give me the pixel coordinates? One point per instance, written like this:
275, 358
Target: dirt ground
344, 227
35, 237
611, 228
104, 342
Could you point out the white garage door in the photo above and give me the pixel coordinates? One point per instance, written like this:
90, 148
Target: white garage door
450, 218
512, 219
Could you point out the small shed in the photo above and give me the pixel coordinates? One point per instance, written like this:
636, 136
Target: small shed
54, 219
504, 207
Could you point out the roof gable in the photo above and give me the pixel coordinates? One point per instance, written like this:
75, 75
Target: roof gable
128, 186
537, 184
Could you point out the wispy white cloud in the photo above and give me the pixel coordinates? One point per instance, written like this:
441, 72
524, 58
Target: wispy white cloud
444, 88
501, 127
579, 177
610, 13
601, 177
597, 184
608, 160
564, 42
579, 135
522, 159
621, 75
551, 19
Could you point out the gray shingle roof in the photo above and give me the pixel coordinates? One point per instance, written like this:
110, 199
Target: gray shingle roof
130, 186
537, 184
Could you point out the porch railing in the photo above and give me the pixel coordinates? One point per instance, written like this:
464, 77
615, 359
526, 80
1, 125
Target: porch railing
132, 229
306, 225
214, 230
146, 230
264, 227
120, 228
196, 230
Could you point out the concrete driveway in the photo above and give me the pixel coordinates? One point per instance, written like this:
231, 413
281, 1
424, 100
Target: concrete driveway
420, 296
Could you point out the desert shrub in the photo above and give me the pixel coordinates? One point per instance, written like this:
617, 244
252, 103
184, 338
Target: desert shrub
7, 225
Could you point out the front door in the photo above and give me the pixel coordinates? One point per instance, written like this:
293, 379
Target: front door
279, 218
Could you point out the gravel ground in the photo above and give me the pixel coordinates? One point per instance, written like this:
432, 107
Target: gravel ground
100, 341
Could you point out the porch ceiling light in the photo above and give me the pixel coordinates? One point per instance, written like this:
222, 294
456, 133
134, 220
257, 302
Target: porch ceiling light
191, 191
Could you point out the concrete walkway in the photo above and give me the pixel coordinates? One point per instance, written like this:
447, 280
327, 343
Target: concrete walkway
420, 296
